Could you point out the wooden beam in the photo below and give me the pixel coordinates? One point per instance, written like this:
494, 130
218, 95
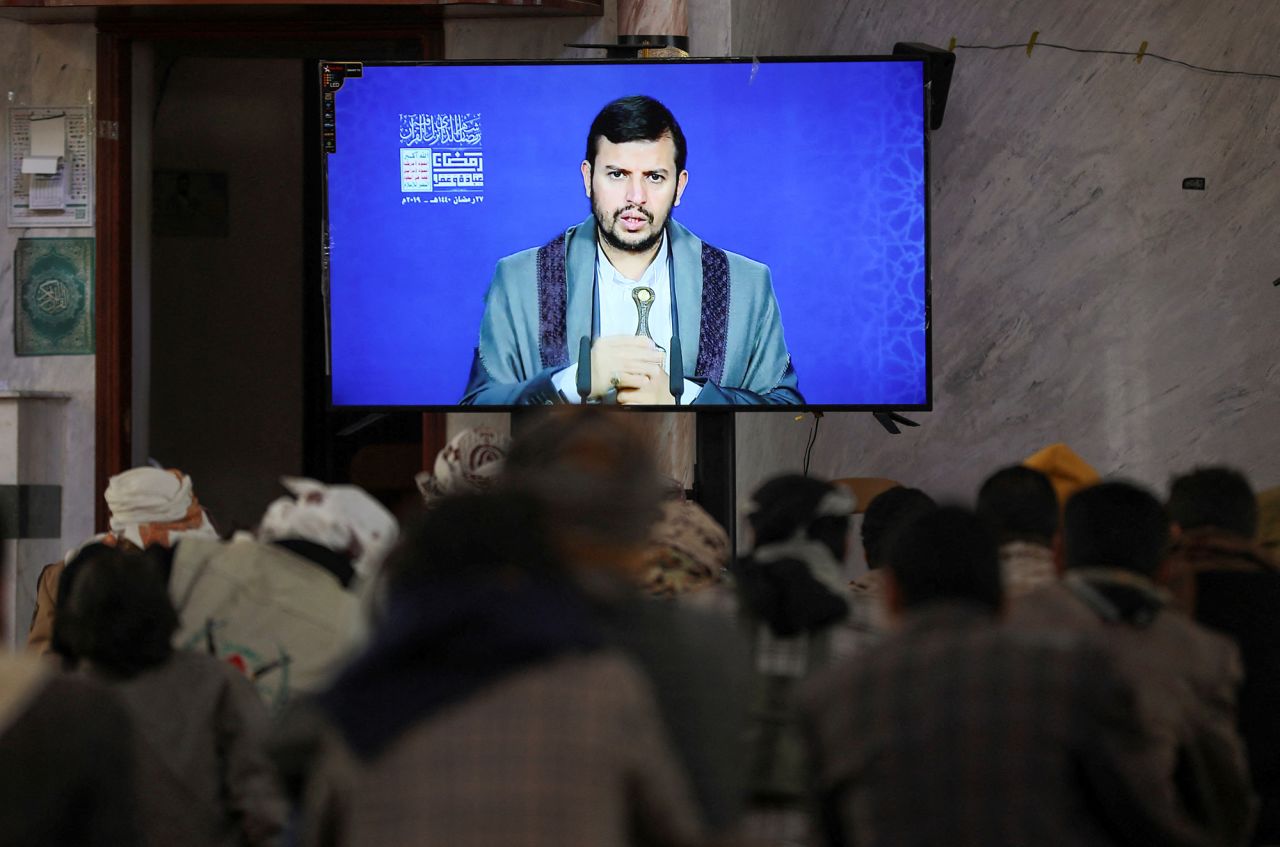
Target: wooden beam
311, 11
113, 309
583, 7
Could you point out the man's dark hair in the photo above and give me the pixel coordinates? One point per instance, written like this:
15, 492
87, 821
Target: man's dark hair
592, 472
887, 511
636, 118
473, 536
946, 554
114, 611
1019, 504
1217, 498
789, 503
1115, 525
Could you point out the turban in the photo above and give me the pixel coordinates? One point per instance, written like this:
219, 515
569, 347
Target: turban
153, 506
340, 517
689, 549
467, 464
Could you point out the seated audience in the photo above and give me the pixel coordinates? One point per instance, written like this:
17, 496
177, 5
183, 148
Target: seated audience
202, 773
1235, 590
148, 506
1185, 676
884, 514
958, 731
794, 600
1020, 506
595, 477
286, 609
489, 709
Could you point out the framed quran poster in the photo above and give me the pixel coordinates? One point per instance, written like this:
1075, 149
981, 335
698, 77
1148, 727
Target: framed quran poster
53, 297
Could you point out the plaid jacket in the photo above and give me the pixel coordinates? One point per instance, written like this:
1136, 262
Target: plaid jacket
954, 731
1185, 680
568, 752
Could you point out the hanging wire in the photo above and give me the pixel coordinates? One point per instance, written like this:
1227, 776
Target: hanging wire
1144, 55
813, 439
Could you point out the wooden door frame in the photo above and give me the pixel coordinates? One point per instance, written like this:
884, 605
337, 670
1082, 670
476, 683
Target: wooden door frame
113, 383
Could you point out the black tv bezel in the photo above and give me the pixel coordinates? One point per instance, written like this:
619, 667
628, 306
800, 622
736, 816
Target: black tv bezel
926, 406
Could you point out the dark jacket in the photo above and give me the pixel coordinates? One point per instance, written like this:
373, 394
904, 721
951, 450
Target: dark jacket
203, 774
66, 761
1237, 593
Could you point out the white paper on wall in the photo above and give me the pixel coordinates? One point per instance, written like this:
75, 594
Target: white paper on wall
38, 196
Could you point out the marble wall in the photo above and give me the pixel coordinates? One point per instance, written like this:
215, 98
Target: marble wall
1079, 294
50, 65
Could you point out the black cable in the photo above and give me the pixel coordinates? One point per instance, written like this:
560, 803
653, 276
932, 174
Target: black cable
813, 439
1156, 56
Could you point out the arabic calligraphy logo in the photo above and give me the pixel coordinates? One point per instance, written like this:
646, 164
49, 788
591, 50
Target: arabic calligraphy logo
455, 130
54, 298
441, 153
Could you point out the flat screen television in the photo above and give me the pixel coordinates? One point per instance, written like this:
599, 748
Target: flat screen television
751, 232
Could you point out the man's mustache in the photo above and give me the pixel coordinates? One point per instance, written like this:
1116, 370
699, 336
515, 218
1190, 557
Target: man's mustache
647, 214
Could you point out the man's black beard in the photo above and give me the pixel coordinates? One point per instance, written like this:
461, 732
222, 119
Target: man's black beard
617, 243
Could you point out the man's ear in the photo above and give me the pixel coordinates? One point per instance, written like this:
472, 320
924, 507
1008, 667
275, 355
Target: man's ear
893, 600
1059, 554
681, 182
586, 176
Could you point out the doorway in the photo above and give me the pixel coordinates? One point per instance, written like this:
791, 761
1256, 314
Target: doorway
224, 347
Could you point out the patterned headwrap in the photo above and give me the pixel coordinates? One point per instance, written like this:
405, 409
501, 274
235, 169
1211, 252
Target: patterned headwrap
339, 517
689, 550
467, 464
153, 506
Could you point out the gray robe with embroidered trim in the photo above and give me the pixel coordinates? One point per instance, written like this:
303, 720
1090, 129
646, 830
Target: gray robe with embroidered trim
539, 305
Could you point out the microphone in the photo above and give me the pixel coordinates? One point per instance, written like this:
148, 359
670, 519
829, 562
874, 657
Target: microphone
584, 368
677, 369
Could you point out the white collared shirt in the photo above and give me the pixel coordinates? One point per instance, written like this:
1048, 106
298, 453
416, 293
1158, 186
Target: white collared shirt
618, 315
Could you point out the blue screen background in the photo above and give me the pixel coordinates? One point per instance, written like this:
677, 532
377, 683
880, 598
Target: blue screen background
816, 169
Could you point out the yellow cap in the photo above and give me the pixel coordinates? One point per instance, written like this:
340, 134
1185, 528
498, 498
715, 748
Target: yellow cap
1065, 469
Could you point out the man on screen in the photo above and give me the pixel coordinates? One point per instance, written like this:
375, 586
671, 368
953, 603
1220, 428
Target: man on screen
637, 284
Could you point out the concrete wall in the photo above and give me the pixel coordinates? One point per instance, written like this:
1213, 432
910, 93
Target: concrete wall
48, 66
1079, 294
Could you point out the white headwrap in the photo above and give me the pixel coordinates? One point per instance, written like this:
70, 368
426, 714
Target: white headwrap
150, 505
339, 517
147, 495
